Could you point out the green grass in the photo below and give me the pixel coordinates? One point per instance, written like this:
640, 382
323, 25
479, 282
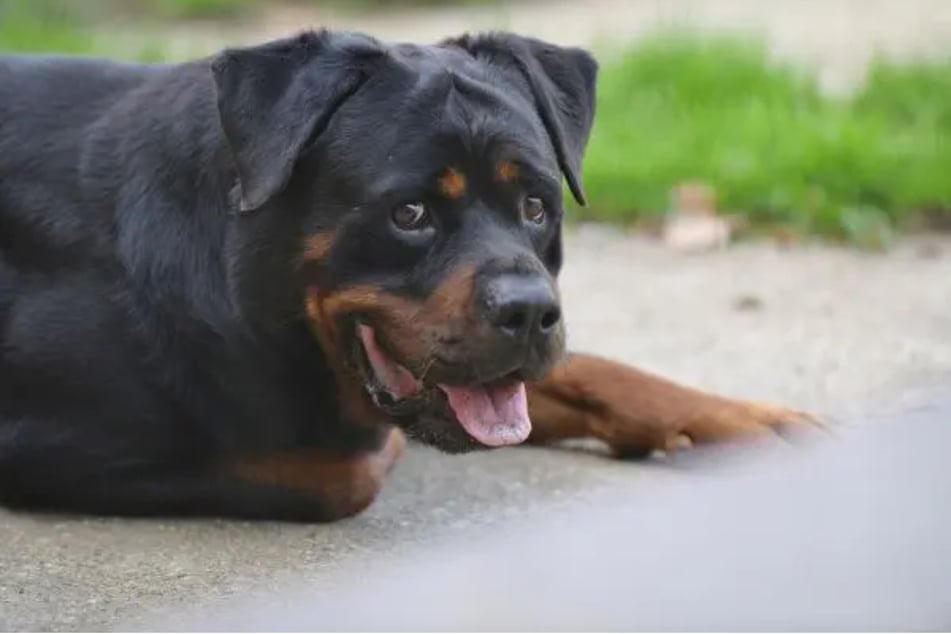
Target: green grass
676, 108
58, 26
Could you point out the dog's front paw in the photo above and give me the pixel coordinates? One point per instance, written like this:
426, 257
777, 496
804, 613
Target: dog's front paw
722, 423
637, 413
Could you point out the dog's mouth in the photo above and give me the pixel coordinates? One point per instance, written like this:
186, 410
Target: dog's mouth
493, 412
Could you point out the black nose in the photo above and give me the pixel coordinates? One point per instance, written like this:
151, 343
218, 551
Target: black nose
522, 305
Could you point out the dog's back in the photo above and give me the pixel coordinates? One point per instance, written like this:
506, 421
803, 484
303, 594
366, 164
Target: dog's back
47, 107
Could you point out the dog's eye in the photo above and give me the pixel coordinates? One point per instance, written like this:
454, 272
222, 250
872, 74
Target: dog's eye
533, 210
411, 217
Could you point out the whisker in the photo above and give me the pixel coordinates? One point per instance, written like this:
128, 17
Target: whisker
431, 360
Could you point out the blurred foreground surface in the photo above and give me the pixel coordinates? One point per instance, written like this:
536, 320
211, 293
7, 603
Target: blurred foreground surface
851, 537
864, 338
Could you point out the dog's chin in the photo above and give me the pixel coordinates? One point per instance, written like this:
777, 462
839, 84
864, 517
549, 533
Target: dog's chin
452, 416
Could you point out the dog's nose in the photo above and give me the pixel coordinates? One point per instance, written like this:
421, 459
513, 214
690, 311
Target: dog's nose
522, 306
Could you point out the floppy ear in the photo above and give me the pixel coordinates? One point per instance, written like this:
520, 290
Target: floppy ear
562, 81
274, 99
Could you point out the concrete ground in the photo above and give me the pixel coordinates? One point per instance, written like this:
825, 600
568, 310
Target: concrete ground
849, 335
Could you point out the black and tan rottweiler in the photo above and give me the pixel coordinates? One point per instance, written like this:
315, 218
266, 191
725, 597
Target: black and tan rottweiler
227, 285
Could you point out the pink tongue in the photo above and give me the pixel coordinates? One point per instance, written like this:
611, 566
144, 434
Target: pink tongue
494, 415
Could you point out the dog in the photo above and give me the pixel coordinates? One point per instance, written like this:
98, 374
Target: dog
233, 287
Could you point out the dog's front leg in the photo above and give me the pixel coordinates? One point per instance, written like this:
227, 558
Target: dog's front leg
636, 412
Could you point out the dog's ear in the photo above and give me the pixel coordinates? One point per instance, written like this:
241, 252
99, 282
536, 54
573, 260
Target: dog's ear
275, 99
562, 81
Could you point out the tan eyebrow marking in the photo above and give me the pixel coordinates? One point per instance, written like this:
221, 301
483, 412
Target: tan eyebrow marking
506, 171
453, 184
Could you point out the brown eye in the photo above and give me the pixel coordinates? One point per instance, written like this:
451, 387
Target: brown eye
411, 217
533, 210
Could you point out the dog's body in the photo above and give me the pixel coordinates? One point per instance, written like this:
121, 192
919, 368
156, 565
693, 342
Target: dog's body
203, 309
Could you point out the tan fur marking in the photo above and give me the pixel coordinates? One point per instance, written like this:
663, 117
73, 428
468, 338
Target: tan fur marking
506, 172
452, 184
317, 246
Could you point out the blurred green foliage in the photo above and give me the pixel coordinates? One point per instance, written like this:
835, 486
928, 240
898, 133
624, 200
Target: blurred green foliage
40, 28
677, 108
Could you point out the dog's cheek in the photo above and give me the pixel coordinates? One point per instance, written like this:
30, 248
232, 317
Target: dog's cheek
311, 270
329, 316
330, 306
330, 312
396, 320
317, 247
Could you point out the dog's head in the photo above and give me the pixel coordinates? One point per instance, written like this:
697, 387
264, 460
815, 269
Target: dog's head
425, 182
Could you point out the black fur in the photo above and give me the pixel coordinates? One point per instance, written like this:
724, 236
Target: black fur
151, 221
